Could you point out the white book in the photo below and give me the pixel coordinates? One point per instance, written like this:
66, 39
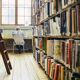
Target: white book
58, 25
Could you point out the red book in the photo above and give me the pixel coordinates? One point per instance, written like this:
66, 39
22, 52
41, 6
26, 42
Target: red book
40, 44
56, 73
70, 52
49, 64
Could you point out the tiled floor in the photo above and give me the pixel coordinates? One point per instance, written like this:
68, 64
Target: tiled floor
24, 68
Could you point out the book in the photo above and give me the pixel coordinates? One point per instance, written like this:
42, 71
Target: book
63, 49
57, 49
78, 57
64, 3
51, 7
56, 73
58, 5
70, 52
46, 64
68, 21
41, 14
49, 66
73, 21
55, 26
55, 7
40, 43
46, 28
78, 18
44, 44
63, 23
52, 69
46, 10
69, 2
50, 47
62, 73
58, 25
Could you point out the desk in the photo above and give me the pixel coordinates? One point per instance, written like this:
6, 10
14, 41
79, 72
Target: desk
27, 45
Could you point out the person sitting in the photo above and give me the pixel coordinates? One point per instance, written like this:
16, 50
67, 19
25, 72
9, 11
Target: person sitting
18, 37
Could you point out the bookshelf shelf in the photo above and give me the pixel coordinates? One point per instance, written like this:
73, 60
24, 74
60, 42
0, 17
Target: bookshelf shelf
57, 33
48, 18
62, 62
58, 13
70, 5
59, 37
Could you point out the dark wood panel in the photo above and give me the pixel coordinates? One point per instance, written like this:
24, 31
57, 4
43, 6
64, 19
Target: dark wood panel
27, 45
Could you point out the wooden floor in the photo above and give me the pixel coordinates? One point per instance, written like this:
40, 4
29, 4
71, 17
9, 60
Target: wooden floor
24, 68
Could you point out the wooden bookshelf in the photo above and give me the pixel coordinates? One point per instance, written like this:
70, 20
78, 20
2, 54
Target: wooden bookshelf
63, 38
58, 37
58, 13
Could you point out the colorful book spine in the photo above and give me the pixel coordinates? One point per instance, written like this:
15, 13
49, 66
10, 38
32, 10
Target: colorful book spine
70, 52
56, 73
78, 17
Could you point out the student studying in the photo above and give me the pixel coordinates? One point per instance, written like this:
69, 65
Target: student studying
18, 37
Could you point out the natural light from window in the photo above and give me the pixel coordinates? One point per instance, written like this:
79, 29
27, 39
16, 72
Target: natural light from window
9, 12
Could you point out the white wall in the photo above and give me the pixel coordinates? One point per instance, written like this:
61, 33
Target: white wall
7, 31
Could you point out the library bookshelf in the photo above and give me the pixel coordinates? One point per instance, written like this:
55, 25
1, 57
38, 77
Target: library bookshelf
56, 38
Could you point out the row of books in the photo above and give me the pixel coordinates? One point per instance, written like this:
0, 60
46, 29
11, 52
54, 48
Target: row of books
70, 21
40, 30
65, 50
55, 55
65, 3
54, 70
51, 7
66, 23
36, 5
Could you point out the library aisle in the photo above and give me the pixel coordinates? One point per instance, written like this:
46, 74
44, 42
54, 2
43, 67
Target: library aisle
24, 68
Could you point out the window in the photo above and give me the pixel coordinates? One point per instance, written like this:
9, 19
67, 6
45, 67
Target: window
24, 11
9, 12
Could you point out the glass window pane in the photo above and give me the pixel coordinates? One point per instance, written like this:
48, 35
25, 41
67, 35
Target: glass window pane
5, 11
5, 5
11, 11
27, 5
20, 11
11, 1
27, 11
21, 20
21, 5
4, 20
5, 1
11, 20
28, 20
21, 1
11, 5
27, 1
8, 11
